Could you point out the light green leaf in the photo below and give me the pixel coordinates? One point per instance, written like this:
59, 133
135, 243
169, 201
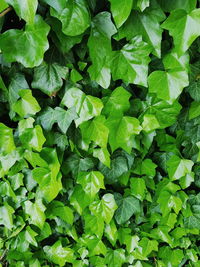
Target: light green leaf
96, 131
194, 110
168, 202
26, 47
178, 167
93, 225
26, 11
122, 131
64, 117
126, 208
74, 16
3, 5
130, 64
120, 11
95, 245
91, 182
141, 4
87, 106
138, 188
168, 85
104, 208
58, 209
103, 155
111, 232
27, 105
148, 246
7, 144
150, 123
183, 27
115, 258
6, 215
59, 254
101, 31
49, 78
79, 199
35, 211
118, 101
145, 24
173, 61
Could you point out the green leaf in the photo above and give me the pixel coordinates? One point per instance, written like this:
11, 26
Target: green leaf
130, 64
26, 11
127, 206
183, 27
33, 138
93, 225
64, 117
168, 202
91, 182
178, 167
118, 101
58, 209
120, 11
115, 258
138, 188
79, 199
141, 4
3, 5
101, 32
27, 105
148, 246
104, 208
59, 254
49, 78
167, 85
35, 211
103, 155
95, 245
6, 216
145, 24
96, 131
7, 144
74, 16
122, 131
194, 110
87, 106
28, 47
111, 232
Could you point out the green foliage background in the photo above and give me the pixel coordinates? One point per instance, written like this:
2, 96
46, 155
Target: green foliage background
100, 133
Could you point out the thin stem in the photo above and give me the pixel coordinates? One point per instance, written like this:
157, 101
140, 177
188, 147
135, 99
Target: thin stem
5, 11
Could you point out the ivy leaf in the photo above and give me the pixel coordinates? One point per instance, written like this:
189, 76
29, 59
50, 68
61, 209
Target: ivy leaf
95, 245
145, 24
79, 199
168, 85
93, 225
141, 4
87, 106
7, 144
58, 209
122, 131
111, 232
101, 32
183, 27
138, 188
28, 47
6, 215
148, 246
27, 105
26, 11
115, 258
178, 167
96, 131
36, 212
103, 155
59, 254
168, 202
126, 208
49, 78
74, 16
120, 11
64, 117
118, 101
131, 63
91, 182
104, 208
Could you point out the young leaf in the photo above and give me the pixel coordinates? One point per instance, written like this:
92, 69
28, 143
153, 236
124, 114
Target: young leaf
130, 64
183, 27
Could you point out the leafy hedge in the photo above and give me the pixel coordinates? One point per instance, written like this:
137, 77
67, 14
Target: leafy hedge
99, 133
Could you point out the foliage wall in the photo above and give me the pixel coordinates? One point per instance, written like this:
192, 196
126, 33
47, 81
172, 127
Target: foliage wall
99, 133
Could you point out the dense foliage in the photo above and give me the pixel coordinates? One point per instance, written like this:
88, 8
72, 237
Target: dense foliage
99, 133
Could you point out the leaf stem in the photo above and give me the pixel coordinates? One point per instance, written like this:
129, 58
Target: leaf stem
5, 11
